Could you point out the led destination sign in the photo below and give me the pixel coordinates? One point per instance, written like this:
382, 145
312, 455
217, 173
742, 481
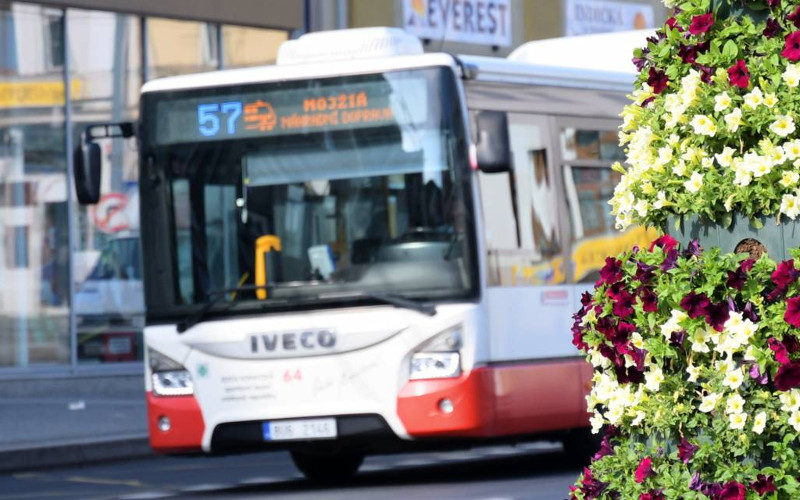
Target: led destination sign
275, 112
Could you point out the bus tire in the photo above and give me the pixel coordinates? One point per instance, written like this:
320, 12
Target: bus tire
327, 467
580, 444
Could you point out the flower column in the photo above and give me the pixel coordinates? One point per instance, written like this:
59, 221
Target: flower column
696, 350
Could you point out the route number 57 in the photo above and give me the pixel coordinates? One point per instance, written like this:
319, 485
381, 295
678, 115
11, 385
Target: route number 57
210, 116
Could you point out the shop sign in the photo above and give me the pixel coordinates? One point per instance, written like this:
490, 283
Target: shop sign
484, 22
36, 94
599, 16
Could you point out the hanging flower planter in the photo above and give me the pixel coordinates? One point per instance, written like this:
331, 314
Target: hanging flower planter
697, 362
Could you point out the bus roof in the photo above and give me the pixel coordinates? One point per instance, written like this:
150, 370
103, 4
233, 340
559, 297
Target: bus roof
605, 52
591, 61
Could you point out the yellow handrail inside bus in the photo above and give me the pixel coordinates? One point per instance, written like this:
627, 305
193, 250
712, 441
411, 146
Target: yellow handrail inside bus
264, 245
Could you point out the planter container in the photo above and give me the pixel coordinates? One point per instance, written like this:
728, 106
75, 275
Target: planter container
777, 239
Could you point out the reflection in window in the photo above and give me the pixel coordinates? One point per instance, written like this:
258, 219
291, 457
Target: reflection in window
105, 55
520, 209
594, 236
584, 144
594, 187
180, 47
243, 46
34, 250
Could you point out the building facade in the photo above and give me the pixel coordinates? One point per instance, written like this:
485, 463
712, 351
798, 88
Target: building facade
70, 279
496, 27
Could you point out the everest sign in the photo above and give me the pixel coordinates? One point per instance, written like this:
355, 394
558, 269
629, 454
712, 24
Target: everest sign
486, 22
597, 16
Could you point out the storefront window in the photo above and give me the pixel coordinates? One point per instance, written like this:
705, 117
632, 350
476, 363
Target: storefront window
34, 255
180, 47
105, 59
250, 46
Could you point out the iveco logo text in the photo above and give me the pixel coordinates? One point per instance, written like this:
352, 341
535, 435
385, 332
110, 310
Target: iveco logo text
293, 341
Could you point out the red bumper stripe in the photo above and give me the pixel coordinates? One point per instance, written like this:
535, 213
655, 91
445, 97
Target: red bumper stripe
186, 423
499, 401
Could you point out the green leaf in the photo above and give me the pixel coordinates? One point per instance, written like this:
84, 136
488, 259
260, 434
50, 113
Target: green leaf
726, 220
756, 223
730, 50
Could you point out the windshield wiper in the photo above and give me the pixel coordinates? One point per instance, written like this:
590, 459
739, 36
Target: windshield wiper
388, 298
218, 295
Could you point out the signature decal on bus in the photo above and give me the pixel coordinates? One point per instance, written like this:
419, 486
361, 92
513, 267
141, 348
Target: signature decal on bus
293, 341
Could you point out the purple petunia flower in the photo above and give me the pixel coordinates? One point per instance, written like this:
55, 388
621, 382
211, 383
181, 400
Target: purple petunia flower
686, 450
763, 484
788, 376
717, 315
695, 304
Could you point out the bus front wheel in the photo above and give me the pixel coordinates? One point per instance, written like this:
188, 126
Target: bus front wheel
327, 467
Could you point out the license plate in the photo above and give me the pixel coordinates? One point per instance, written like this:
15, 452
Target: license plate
288, 430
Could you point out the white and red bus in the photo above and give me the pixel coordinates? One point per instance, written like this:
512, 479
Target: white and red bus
366, 248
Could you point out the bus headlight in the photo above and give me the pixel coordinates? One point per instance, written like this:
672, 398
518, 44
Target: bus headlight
173, 383
169, 377
439, 357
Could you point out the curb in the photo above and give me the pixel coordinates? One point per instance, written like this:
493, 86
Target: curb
78, 453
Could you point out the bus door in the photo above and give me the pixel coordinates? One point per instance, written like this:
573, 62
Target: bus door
588, 149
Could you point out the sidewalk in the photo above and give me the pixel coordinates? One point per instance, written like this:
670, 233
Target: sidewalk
71, 421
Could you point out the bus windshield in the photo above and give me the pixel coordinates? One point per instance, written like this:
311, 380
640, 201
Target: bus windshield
314, 188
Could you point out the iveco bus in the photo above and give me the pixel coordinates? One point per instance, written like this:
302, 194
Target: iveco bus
366, 247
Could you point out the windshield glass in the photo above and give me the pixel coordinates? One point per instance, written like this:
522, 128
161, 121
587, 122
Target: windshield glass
314, 188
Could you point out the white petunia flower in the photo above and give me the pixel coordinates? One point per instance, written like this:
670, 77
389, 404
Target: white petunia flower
789, 178
661, 200
754, 98
792, 149
790, 206
790, 400
703, 125
791, 75
722, 102
759, 421
726, 157
694, 372
770, 100
694, 183
783, 126
709, 402
738, 420
794, 420
735, 404
734, 119
672, 325
699, 340
653, 379
733, 379
597, 422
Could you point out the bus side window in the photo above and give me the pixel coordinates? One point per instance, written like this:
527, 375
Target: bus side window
520, 210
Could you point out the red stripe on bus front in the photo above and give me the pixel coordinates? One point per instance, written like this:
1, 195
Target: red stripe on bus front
499, 401
186, 423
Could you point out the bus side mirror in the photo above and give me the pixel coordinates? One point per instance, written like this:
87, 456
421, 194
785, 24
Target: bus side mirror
87, 166
493, 150
87, 159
